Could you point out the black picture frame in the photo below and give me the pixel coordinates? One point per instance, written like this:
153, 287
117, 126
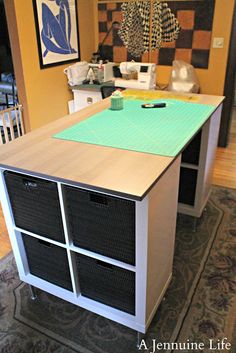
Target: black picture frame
57, 31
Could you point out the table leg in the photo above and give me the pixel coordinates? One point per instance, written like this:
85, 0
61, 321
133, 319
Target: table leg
140, 337
195, 219
33, 295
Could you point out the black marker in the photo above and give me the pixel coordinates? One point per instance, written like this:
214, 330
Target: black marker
153, 105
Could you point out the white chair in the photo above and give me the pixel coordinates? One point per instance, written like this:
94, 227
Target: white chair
11, 124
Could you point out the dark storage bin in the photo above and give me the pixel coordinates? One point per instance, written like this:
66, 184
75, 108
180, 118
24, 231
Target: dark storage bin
106, 283
187, 185
192, 151
47, 261
35, 205
101, 223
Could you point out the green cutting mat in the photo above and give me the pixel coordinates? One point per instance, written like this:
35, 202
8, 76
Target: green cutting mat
163, 131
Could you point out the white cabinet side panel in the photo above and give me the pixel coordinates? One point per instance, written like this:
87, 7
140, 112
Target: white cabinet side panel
211, 152
84, 98
162, 213
141, 262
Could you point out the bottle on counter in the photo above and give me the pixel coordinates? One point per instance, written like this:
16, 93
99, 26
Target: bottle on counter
90, 76
100, 72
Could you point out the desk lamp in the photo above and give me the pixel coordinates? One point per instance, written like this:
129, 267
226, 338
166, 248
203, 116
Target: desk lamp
100, 55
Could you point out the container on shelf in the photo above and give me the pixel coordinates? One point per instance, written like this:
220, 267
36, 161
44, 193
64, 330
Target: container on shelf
101, 223
35, 205
47, 261
106, 283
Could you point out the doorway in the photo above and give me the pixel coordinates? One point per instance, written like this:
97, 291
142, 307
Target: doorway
8, 91
229, 88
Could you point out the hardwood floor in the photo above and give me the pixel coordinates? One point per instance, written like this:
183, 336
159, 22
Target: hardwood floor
5, 245
225, 164
224, 175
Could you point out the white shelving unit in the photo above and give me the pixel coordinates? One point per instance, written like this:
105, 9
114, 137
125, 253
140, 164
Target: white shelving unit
154, 237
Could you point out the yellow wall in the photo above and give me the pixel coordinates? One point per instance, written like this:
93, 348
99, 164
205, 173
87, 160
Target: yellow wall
46, 92
212, 80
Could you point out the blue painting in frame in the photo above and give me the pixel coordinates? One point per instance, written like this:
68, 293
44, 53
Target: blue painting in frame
57, 31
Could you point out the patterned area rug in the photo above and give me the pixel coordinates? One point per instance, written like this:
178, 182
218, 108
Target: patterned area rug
199, 305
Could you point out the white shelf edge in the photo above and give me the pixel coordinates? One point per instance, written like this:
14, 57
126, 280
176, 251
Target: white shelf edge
49, 287
49, 240
189, 166
116, 315
71, 262
185, 205
187, 209
103, 258
81, 251
109, 312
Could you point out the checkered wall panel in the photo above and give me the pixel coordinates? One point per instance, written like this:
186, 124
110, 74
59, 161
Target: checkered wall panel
192, 45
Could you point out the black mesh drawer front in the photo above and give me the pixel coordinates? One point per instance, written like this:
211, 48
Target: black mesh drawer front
101, 223
35, 205
106, 283
47, 261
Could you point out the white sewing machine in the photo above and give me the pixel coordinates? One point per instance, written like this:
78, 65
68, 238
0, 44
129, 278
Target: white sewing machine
145, 73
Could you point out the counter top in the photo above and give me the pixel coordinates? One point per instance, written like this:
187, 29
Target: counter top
123, 173
93, 87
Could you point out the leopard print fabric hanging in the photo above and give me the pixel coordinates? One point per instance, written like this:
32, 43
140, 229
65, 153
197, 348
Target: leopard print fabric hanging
156, 26
170, 25
134, 30
135, 27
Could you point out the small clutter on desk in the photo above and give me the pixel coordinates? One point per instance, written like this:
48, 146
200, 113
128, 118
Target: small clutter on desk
87, 80
183, 78
103, 71
153, 105
89, 73
153, 95
90, 79
129, 74
76, 73
117, 100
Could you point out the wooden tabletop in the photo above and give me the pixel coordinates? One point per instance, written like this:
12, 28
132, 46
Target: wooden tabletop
120, 172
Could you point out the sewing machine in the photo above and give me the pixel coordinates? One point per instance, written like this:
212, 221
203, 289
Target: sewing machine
137, 75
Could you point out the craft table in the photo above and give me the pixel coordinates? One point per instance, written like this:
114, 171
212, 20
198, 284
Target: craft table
104, 216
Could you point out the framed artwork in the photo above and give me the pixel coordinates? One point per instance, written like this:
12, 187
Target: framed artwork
57, 32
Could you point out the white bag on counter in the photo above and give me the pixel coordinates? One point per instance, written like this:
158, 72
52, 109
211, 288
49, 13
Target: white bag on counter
183, 78
77, 73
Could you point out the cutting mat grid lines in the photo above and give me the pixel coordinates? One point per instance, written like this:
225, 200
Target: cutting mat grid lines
162, 131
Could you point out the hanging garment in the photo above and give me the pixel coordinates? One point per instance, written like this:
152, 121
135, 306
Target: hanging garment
169, 24
156, 38
135, 27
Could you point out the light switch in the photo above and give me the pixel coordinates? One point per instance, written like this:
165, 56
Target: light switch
218, 42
